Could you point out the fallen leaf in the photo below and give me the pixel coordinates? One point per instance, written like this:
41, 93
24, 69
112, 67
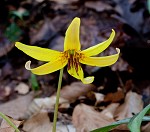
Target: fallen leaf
6, 70
99, 98
146, 128
38, 123
44, 33
5, 91
64, 1
39, 1
133, 104
22, 88
64, 106
146, 94
5, 127
71, 128
43, 103
98, 5
75, 90
8, 129
110, 110
90, 30
131, 1
114, 97
56, 43
17, 107
122, 127
86, 118
68, 94
64, 128
60, 22
121, 65
134, 19
5, 45
128, 85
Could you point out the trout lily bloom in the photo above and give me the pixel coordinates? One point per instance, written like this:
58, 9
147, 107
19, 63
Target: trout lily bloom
72, 55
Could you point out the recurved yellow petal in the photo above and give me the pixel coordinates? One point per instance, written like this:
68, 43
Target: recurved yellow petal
94, 50
100, 61
88, 80
78, 73
38, 53
72, 36
46, 68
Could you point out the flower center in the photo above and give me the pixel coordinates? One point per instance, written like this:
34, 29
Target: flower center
73, 60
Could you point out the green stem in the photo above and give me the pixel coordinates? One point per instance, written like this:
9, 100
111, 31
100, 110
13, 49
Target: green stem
9, 122
57, 100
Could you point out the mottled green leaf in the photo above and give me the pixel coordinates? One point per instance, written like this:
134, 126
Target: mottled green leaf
19, 14
135, 122
115, 124
148, 5
13, 32
34, 82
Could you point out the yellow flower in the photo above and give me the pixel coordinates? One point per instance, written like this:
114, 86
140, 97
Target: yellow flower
72, 55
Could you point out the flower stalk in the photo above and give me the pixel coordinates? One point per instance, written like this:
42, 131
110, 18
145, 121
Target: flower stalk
57, 99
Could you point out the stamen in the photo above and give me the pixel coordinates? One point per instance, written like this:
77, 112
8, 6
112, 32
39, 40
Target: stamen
73, 60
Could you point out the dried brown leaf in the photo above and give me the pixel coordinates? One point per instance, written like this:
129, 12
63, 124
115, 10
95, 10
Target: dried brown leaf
42, 103
132, 105
8, 129
146, 128
38, 123
5, 127
61, 127
17, 107
4, 92
114, 97
6, 70
131, 1
5, 46
75, 90
56, 43
22, 88
44, 32
121, 128
68, 94
99, 98
110, 110
86, 118
65, 1
121, 65
98, 5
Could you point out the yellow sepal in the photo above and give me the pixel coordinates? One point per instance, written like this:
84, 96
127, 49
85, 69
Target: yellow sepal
100, 61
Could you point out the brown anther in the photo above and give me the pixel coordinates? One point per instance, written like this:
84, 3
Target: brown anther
73, 60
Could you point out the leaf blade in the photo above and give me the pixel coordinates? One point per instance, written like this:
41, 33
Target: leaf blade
135, 122
115, 124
